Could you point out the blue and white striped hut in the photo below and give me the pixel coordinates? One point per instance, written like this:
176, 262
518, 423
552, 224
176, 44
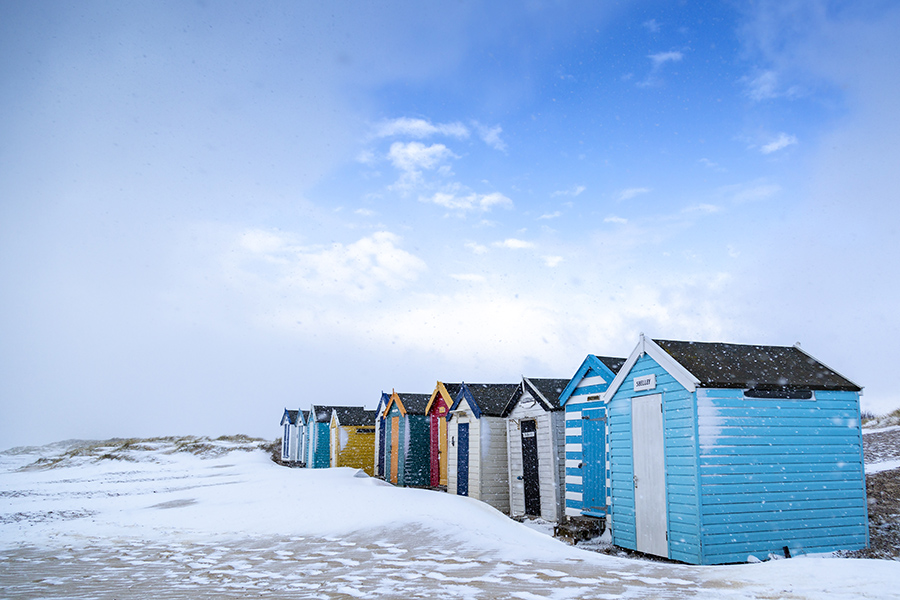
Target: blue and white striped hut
587, 474
720, 452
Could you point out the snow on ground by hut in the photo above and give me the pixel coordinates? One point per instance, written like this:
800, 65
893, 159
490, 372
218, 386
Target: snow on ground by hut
217, 519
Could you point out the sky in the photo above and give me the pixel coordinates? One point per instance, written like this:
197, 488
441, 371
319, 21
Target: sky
210, 212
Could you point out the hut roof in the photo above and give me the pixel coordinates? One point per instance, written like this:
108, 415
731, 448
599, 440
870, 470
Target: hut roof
414, 403
320, 414
290, 416
722, 365
549, 389
490, 399
354, 416
612, 363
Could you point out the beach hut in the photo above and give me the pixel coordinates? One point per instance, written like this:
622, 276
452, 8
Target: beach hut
587, 476
303, 424
407, 453
536, 439
437, 410
723, 452
352, 443
319, 436
476, 429
379, 434
290, 440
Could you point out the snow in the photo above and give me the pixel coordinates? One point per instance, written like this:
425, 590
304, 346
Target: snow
154, 521
878, 467
866, 430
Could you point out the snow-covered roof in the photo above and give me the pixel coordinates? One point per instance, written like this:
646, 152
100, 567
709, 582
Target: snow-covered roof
721, 365
354, 416
545, 391
488, 399
289, 416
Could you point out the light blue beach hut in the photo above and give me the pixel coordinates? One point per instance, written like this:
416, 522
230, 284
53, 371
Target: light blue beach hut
722, 452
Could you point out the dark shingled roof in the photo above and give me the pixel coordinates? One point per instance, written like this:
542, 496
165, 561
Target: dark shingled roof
291, 416
305, 416
551, 389
452, 389
723, 365
612, 363
354, 415
414, 403
545, 391
491, 398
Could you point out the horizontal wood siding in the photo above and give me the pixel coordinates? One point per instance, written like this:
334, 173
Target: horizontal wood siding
463, 414
357, 451
417, 463
493, 472
321, 446
681, 463
550, 462
452, 436
572, 446
778, 473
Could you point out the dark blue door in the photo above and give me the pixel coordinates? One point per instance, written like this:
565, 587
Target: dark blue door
462, 460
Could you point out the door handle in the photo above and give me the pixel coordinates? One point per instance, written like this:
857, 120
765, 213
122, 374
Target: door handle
635, 481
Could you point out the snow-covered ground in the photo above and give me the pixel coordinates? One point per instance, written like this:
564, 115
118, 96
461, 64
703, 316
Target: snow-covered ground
201, 519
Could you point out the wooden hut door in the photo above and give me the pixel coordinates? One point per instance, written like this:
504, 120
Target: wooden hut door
462, 460
395, 445
594, 463
648, 452
530, 471
381, 447
435, 449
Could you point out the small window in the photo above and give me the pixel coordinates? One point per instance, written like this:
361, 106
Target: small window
779, 394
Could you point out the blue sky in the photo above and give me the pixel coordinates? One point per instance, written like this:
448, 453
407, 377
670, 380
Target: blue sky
212, 211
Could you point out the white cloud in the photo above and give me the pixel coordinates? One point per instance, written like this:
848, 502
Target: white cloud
651, 25
470, 202
469, 277
629, 193
661, 58
762, 86
711, 165
514, 244
553, 215
491, 136
552, 261
357, 270
364, 212
259, 241
575, 191
782, 141
616, 220
414, 156
419, 128
751, 191
476, 248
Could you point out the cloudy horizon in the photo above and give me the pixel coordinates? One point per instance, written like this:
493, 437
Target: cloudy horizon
211, 212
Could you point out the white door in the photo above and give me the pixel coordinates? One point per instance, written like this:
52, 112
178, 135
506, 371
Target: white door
649, 475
